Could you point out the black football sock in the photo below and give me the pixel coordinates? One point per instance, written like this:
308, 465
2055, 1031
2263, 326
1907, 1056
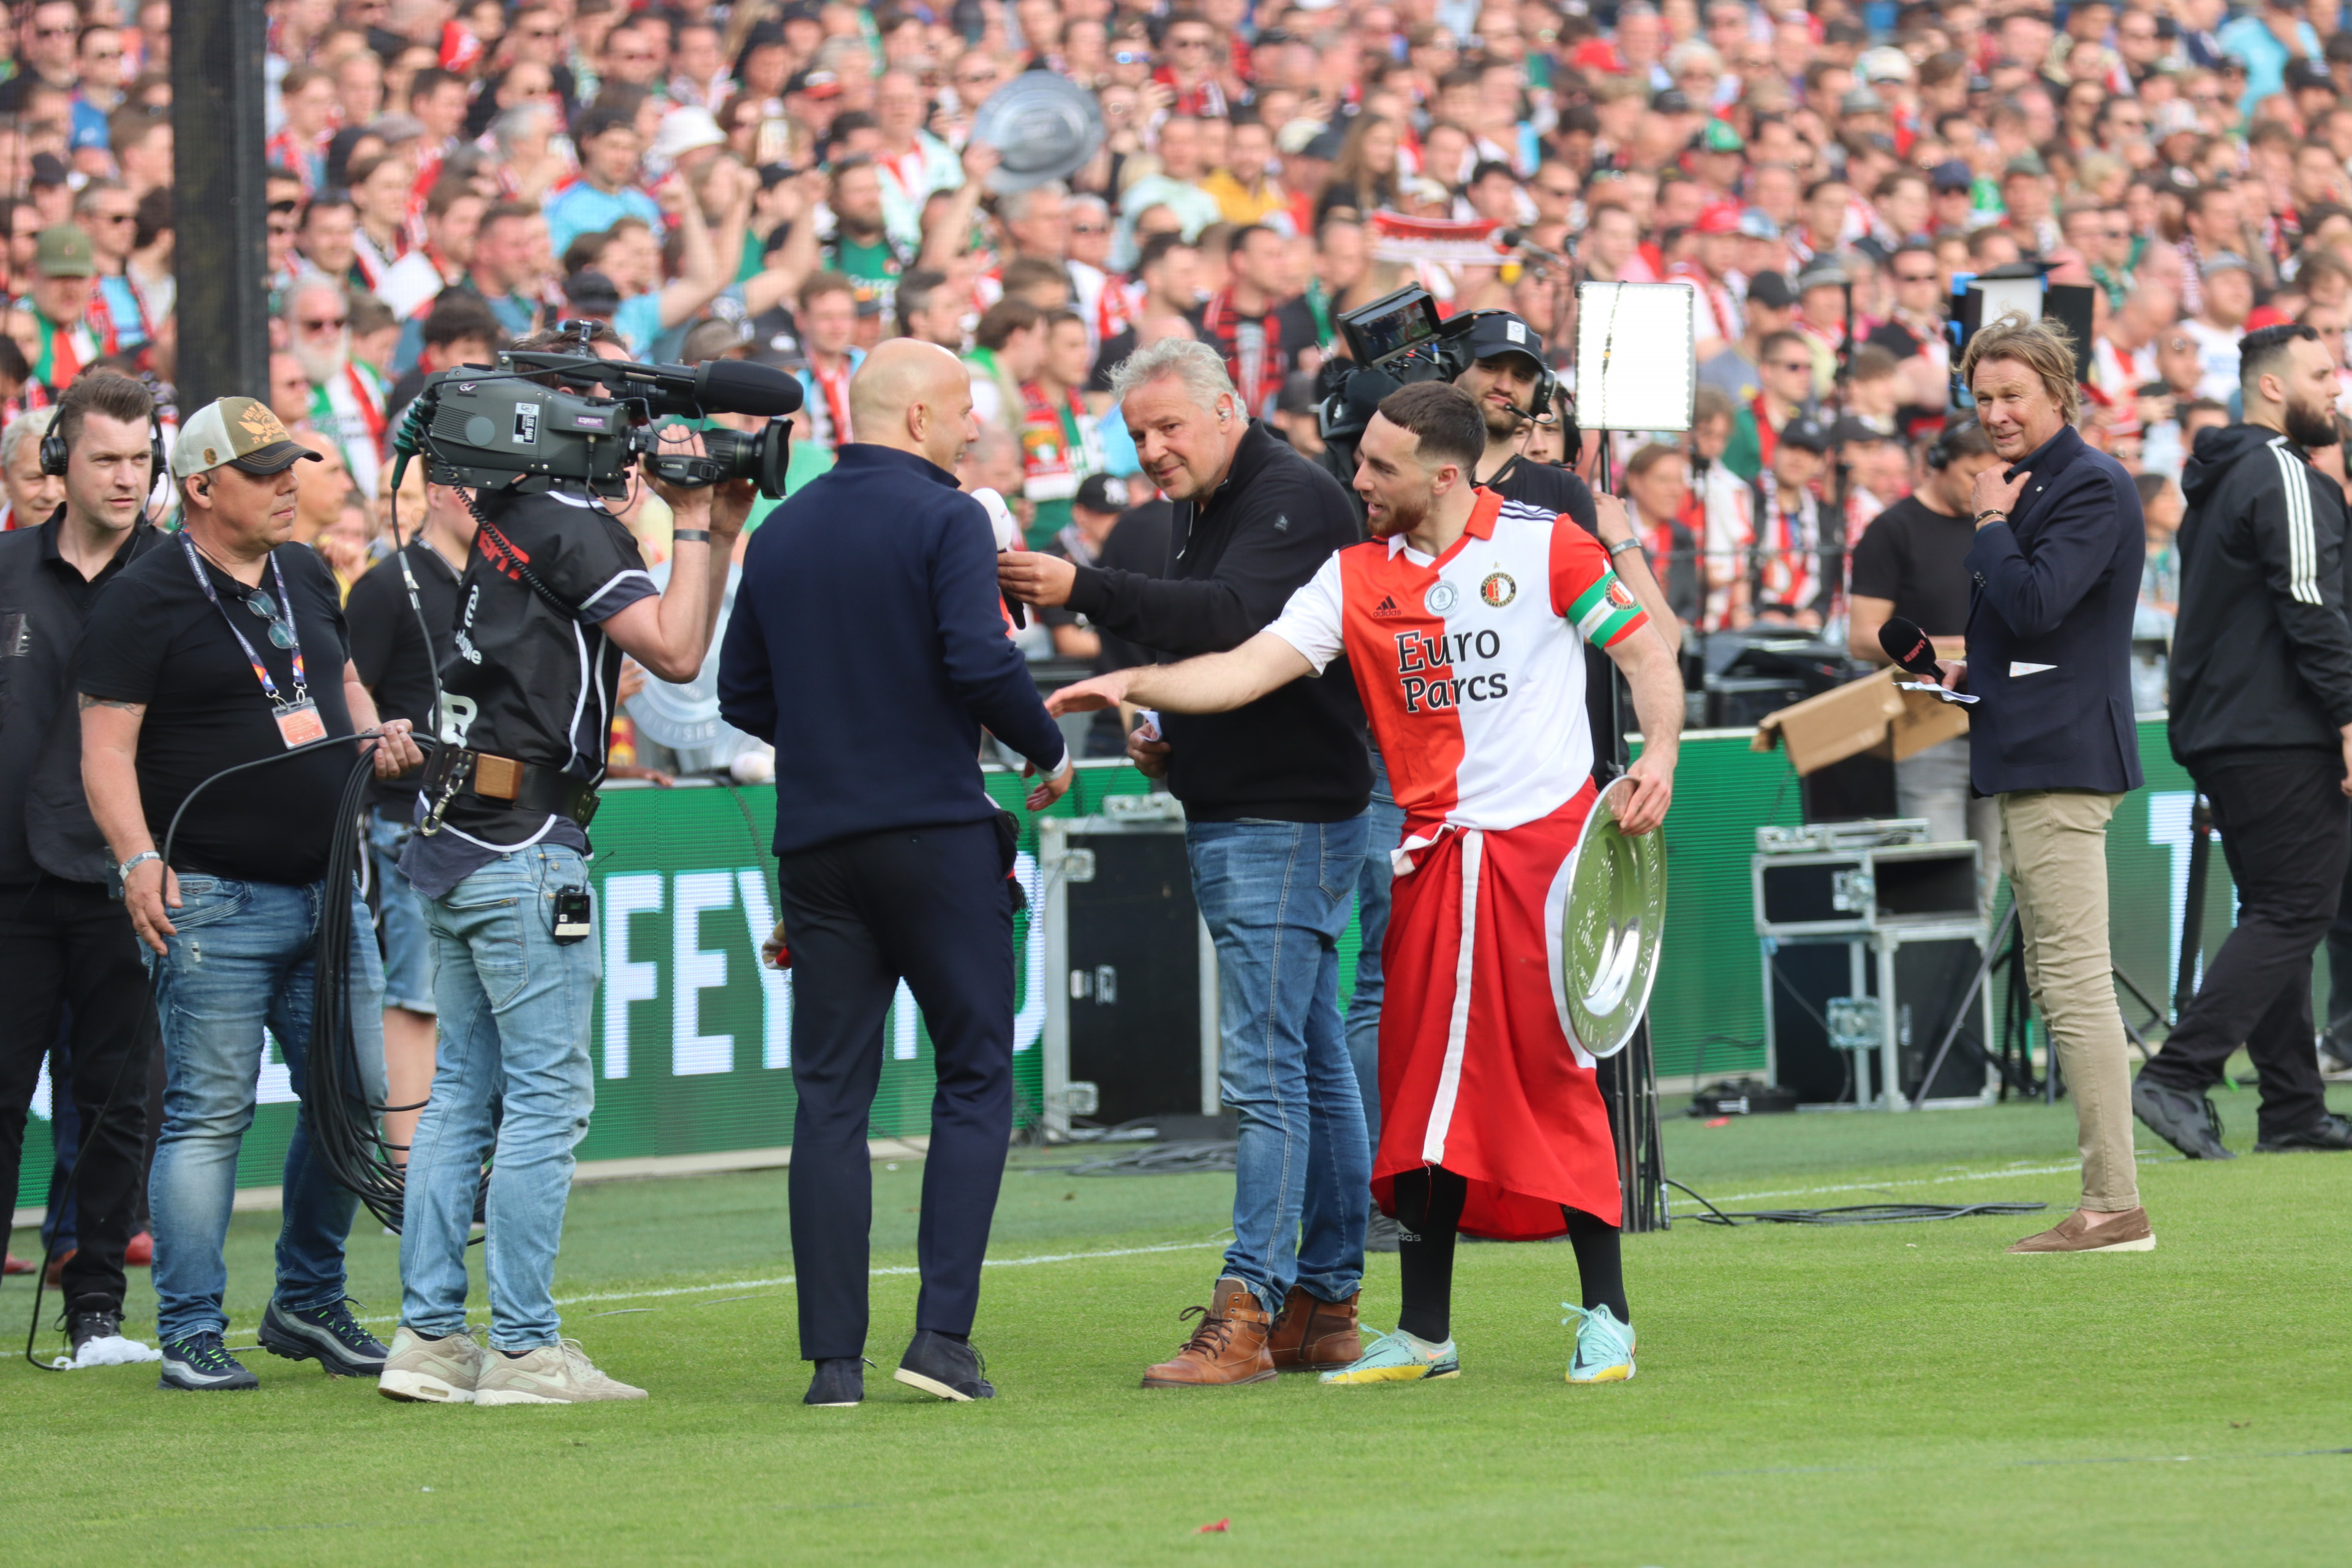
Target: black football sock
1428, 1211
1599, 1262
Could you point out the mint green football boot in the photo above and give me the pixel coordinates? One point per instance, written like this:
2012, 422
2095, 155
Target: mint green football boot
1604, 1347
1399, 1357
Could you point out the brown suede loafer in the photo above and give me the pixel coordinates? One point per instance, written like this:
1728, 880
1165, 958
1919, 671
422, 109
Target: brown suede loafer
2127, 1232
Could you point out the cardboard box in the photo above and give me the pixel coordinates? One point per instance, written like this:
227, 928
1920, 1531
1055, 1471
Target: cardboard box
1865, 715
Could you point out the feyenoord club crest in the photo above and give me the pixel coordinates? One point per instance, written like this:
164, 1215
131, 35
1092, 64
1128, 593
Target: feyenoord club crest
1498, 590
1613, 921
1440, 597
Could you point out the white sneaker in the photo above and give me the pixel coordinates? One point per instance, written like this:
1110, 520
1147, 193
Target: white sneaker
433, 1372
552, 1374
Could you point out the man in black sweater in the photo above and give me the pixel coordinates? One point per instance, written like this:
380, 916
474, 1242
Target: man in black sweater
1275, 793
2262, 717
871, 592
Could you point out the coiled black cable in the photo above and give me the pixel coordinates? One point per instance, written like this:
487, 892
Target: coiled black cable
345, 852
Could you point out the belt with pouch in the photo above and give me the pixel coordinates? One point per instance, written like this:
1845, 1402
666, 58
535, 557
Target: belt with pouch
526, 786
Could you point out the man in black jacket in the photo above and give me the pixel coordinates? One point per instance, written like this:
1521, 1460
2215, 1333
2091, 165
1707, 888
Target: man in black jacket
2262, 717
2055, 569
65, 941
1275, 793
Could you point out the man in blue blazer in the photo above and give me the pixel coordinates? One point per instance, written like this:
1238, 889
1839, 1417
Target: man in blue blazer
868, 645
2054, 578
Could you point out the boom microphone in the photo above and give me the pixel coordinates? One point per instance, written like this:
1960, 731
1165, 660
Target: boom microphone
739, 386
1909, 647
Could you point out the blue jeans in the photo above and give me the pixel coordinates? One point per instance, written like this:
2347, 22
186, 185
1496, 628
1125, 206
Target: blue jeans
514, 1006
1385, 821
241, 960
1274, 896
408, 945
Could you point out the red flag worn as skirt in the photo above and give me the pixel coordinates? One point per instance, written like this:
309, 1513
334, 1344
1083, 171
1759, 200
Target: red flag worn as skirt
1479, 1071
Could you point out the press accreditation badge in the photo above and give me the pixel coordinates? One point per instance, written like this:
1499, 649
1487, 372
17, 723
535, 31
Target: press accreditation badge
300, 724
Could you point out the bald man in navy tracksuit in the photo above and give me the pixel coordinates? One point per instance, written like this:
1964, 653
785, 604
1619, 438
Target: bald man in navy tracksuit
867, 643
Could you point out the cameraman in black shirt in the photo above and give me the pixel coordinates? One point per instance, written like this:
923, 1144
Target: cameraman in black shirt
555, 591
200, 657
1911, 561
389, 647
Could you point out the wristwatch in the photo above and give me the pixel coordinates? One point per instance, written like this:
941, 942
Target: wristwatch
122, 872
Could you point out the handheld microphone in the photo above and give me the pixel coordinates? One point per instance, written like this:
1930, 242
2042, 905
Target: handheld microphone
1910, 648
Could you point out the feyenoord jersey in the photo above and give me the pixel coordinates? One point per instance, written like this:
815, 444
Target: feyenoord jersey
1471, 665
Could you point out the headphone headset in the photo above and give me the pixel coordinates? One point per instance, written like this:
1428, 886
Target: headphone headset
1944, 448
54, 452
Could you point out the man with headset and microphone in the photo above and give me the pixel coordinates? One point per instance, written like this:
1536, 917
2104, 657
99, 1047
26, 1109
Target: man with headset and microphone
65, 941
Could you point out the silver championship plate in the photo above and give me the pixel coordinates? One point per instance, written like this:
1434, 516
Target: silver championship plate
1612, 926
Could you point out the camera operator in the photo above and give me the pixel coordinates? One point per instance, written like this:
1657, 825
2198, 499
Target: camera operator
169, 666
64, 943
1505, 371
555, 591
390, 650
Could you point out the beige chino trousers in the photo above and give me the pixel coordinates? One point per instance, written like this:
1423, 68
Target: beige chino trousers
2053, 846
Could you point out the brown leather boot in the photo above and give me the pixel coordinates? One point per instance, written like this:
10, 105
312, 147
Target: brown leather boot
1313, 1334
1228, 1347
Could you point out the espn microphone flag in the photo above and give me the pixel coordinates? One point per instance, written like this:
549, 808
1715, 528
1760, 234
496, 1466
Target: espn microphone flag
1909, 647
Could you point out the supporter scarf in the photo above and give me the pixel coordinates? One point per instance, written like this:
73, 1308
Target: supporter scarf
65, 352
1223, 329
1059, 446
833, 386
1768, 439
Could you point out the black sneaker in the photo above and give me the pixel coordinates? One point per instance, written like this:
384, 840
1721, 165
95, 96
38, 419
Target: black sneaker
839, 1381
2186, 1122
949, 1368
201, 1362
2331, 1134
329, 1335
98, 1321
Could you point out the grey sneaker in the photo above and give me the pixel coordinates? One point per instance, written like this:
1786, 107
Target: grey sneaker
431, 1372
552, 1374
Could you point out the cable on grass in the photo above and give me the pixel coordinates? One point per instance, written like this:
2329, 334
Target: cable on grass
1851, 1214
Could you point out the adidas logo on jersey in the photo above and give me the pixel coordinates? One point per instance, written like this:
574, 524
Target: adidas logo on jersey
1387, 607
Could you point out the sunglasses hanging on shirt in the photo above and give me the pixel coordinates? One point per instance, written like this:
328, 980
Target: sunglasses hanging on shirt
281, 634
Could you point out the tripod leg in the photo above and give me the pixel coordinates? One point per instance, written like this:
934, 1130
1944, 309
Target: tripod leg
1961, 1015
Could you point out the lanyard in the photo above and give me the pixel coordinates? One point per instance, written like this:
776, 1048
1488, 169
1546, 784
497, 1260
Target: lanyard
294, 640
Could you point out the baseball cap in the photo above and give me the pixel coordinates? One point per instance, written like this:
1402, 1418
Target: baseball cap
1862, 100
1296, 135
1951, 176
48, 169
1328, 145
2026, 164
239, 431
685, 130
64, 252
1720, 137
1670, 100
1493, 332
2223, 261
1771, 290
1756, 223
2175, 117
1885, 63
816, 84
2309, 73
590, 289
1719, 217
1822, 271
1102, 492
1806, 435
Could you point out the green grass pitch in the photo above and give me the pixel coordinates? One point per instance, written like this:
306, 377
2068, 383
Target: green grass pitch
1877, 1395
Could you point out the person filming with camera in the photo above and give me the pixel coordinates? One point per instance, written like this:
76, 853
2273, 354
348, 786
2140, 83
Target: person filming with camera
223, 648
555, 591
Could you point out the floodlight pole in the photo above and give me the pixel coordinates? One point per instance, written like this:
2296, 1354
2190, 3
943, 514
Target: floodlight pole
222, 256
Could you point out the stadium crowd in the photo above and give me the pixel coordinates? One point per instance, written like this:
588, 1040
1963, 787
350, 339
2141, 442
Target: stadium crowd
791, 182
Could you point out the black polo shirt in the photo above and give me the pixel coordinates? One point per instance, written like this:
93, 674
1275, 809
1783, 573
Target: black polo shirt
388, 646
